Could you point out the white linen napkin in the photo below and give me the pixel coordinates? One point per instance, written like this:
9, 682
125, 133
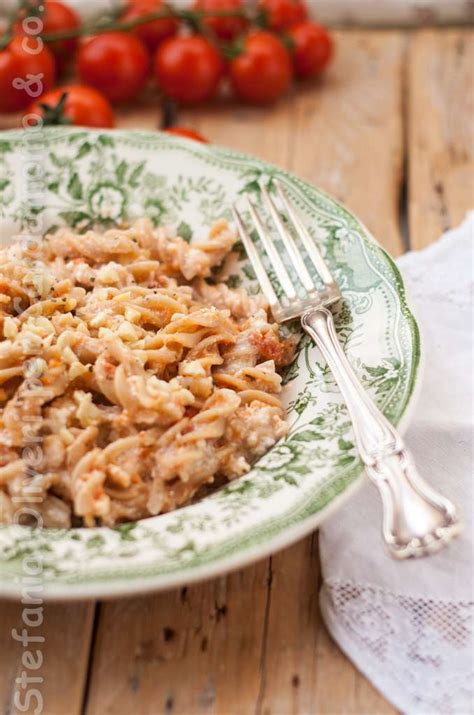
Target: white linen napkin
408, 625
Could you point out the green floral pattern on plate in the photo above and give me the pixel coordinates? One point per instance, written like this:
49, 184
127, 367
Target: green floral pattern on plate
101, 178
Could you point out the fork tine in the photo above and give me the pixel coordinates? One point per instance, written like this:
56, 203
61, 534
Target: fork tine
277, 264
256, 262
312, 249
289, 243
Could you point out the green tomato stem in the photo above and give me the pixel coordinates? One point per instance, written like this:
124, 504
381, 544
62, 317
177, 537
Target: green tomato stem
192, 17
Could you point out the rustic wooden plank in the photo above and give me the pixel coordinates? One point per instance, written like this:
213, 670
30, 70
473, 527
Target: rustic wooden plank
441, 132
195, 650
289, 666
66, 629
264, 131
348, 137
9, 121
254, 641
144, 113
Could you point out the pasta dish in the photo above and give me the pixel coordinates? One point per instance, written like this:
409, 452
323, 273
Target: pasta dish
131, 377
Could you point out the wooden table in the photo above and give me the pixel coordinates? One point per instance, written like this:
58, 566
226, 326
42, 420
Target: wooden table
389, 132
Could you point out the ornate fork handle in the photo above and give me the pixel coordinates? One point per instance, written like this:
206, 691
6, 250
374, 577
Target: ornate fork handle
416, 519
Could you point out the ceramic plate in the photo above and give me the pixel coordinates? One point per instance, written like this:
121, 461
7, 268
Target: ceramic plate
79, 178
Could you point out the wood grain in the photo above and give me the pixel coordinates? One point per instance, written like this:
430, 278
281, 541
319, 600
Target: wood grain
10, 121
348, 137
264, 131
195, 650
143, 114
441, 132
66, 630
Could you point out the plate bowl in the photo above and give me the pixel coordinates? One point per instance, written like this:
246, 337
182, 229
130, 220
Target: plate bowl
68, 176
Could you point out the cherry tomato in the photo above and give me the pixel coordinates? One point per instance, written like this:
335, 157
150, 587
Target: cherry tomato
312, 48
83, 107
115, 63
23, 75
281, 14
225, 28
57, 17
188, 69
151, 33
188, 133
262, 72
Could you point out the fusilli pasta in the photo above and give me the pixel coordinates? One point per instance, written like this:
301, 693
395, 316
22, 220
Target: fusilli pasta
129, 378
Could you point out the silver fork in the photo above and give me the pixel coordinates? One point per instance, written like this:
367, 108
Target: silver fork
416, 519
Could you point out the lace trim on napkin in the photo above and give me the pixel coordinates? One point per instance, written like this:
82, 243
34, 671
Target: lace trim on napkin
411, 639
